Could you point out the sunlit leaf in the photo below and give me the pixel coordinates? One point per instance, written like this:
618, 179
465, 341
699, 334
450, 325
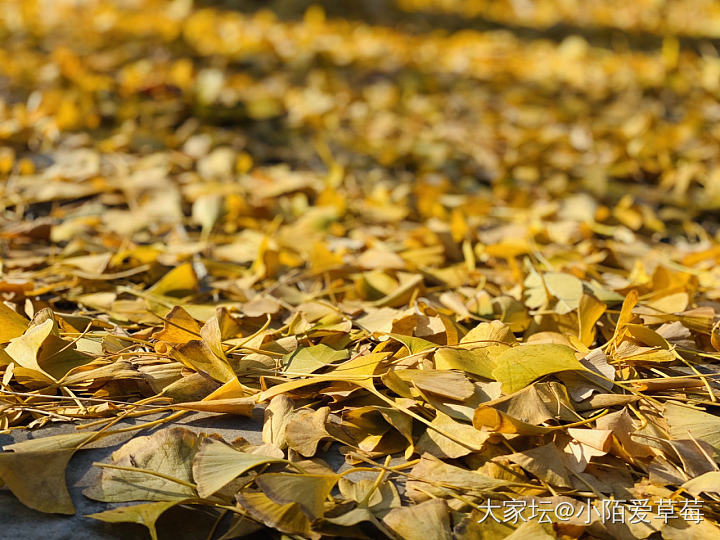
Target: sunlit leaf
414, 345
476, 361
288, 518
309, 491
519, 366
145, 514
309, 359
12, 325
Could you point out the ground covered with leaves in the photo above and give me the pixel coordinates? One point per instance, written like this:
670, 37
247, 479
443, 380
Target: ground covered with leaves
474, 252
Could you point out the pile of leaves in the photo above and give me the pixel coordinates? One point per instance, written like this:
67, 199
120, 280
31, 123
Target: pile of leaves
482, 268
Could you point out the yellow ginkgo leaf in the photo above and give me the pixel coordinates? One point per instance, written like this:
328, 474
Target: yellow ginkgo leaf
216, 464
476, 361
179, 281
12, 325
145, 514
34, 470
24, 349
519, 366
307, 490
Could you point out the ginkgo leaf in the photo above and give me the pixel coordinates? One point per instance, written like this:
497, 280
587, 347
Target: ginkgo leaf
530, 530
519, 366
24, 349
600, 439
545, 462
179, 327
622, 426
414, 345
358, 370
590, 310
353, 517
401, 422
169, 452
366, 492
426, 521
647, 336
489, 333
475, 361
305, 429
92, 265
308, 490
44, 355
566, 288
431, 471
707, 483
626, 312
216, 464
206, 210
538, 403
409, 284
179, 281
276, 416
191, 388
287, 518
490, 419
438, 445
34, 470
197, 355
473, 526
145, 514
62, 441
308, 359
685, 422
238, 406
37, 478
448, 384
232, 389
12, 325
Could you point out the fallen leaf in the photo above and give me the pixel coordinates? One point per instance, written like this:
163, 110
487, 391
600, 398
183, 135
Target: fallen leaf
685, 421
429, 520
145, 514
216, 464
476, 361
288, 518
276, 417
169, 451
12, 325
519, 366
705, 483
34, 470
308, 491
179, 327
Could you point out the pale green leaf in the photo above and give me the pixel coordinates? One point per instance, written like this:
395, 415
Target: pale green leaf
309, 359
414, 345
521, 365
145, 514
216, 464
476, 361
